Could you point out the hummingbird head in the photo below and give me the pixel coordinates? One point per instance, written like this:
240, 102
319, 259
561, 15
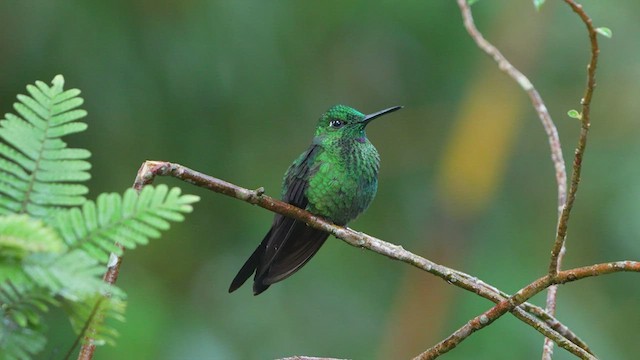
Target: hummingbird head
343, 122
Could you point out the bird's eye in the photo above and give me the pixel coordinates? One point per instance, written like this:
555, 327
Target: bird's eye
336, 124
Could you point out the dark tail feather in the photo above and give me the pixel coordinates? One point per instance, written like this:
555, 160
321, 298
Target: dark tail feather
259, 287
249, 268
303, 244
287, 247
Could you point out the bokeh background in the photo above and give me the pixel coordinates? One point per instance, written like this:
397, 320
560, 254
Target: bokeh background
233, 89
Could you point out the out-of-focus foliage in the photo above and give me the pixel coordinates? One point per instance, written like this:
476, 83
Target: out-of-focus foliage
233, 89
52, 254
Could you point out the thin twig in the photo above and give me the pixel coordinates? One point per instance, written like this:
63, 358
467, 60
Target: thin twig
523, 295
557, 253
527, 86
562, 329
523, 312
582, 141
150, 169
110, 277
88, 352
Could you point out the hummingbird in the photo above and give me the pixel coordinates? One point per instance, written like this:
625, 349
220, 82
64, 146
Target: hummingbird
335, 178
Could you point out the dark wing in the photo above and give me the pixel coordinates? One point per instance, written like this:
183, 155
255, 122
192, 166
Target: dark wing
298, 247
289, 244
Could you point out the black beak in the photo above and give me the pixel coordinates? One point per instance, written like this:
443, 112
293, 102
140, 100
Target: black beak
370, 117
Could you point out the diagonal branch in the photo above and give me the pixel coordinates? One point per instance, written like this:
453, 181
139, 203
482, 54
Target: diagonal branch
556, 330
523, 295
544, 324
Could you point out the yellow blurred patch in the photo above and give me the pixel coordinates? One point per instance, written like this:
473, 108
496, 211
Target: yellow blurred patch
476, 154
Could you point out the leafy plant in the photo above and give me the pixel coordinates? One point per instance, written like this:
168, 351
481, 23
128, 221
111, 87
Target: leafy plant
54, 243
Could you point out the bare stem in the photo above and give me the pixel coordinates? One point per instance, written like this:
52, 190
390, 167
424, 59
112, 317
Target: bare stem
150, 169
110, 277
85, 352
523, 295
534, 96
557, 253
582, 140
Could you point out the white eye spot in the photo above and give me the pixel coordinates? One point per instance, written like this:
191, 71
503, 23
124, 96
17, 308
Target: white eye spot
336, 124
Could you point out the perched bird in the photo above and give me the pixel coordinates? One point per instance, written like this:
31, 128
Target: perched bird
336, 178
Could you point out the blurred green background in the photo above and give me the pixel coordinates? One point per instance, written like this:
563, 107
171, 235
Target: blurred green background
233, 89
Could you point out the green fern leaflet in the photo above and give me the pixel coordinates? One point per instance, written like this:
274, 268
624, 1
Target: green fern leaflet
37, 171
129, 220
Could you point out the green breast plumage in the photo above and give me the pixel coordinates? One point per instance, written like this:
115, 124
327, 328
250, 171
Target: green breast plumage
343, 180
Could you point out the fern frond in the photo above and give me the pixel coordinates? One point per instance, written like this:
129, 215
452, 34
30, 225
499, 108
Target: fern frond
23, 302
21, 235
73, 276
130, 219
21, 298
37, 170
42, 279
20, 342
94, 315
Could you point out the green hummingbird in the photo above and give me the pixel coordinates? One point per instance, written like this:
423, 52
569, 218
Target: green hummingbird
335, 178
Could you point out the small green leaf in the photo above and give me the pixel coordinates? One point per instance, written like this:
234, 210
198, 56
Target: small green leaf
538, 4
58, 83
471, 2
574, 114
605, 31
